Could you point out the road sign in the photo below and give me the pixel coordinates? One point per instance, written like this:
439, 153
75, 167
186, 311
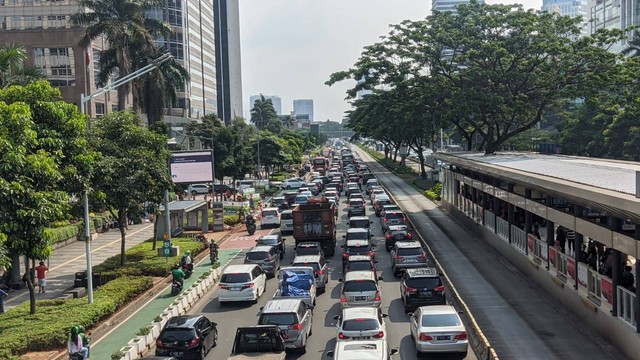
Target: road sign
165, 236
167, 244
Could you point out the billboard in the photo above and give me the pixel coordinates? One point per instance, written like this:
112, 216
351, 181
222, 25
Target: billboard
191, 166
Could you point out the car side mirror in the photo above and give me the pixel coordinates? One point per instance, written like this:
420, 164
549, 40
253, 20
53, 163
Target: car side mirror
330, 354
385, 315
410, 314
460, 312
340, 280
370, 222
261, 307
336, 317
291, 263
394, 351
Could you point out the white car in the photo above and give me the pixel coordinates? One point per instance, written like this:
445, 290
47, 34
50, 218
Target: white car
293, 183
242, 283
286, 221
362, 349
438, 329
198, 189
270, 217
361, 323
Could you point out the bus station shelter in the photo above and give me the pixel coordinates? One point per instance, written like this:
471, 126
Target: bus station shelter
194, 211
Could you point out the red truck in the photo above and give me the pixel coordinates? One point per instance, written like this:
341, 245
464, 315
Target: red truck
316, 221
320, 164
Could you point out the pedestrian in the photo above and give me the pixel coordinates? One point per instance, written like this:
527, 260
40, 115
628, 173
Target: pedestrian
627, 280
561, 238
3, 294
536, 231
42, 282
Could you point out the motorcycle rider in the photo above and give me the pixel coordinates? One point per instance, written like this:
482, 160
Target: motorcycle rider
187, 261
249, 220
213, 252
178, 275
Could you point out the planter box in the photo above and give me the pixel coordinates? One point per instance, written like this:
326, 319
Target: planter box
148, 339
185, 303
178, 305
155, 329
138, 346
189, 297
128, 353
172, 310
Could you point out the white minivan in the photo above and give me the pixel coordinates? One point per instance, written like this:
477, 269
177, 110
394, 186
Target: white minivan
242, 283
286, 221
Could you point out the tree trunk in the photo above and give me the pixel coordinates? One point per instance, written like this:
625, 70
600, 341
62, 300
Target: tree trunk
395, 153
122, 221
28, 278
423, 171
155, 231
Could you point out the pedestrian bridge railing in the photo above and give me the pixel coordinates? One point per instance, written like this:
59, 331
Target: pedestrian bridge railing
490, 220
627, 305
502, 229
519, 239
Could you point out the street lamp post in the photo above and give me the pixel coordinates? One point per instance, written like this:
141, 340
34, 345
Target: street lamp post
83, 99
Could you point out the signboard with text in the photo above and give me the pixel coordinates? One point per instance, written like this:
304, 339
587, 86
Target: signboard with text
191, 167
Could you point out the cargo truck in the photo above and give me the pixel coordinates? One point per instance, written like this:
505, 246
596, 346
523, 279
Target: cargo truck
315, 221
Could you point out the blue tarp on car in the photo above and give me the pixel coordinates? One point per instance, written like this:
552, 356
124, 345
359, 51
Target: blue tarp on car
296, 284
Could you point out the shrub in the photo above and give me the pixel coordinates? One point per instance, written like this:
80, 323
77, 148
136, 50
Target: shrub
435, 192
56, 235
49, 327
57, 224
145, 330
231, 219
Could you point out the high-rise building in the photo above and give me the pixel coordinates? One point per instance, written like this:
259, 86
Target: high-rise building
275, 99
303, 106
228, 72
615, 14
44, 29
572, 8
448, 5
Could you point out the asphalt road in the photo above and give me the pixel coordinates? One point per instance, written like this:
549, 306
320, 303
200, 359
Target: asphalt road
229, 317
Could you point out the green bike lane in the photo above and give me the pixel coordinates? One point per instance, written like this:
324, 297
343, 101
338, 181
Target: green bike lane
120, 336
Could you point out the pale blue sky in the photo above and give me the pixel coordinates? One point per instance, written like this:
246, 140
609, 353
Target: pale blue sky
290, 47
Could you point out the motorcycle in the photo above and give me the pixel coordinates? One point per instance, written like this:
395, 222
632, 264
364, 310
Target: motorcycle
176, 288
187, 269
213, 253
251, 228
76, 356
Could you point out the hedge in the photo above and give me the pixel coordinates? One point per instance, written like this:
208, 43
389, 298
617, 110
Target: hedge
141, 260
49, 327
56, 235
435, 192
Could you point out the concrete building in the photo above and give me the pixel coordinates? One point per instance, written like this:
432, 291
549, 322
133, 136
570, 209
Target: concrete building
448, 5
303, 106
275, 99
572, 8
52, 44
228, 58
615, 14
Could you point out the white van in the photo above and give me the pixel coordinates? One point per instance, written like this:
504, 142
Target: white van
242, 283
286, 221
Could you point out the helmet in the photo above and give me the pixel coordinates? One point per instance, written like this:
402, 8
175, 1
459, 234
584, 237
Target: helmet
188, 252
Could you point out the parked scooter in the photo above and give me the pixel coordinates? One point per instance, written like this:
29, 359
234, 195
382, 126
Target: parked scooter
213, 253
176, 288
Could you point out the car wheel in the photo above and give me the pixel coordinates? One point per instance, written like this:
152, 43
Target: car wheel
288, 187
215, 339
203, 353
193, 193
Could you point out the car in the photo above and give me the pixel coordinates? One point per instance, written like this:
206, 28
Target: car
396, 233
357, 234
303, 189
377, 192
357, 195
357, 247
379, 202
362, 349
392, 217
438, 329
247, 184
360, 288
273, 240
331, 192
313, 187
361, 323
221, 189
356, 207
320, 268
309, 248
307, 193
360, 263
421, 287
293, 183
389, 207
187, 337
294, 317
270, 217
369, 184
266, 257
337, 185
195, 189
241, 283
407, 254
286, 221
279, 202
301, 199
352, 187
362, 222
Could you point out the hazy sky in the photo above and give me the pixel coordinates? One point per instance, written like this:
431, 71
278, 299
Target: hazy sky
290, 47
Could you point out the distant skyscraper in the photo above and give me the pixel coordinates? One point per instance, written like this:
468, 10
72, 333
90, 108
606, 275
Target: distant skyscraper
448, 5
615, 14
275, 99
228, 72
303, 106
572, 8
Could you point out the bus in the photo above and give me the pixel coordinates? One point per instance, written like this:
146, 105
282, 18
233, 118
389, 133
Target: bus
320, 164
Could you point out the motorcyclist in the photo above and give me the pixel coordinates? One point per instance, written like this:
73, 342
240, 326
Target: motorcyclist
187, 261
249, 220
178, 275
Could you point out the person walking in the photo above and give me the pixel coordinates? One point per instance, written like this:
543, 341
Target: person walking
561, 238
627, 280
42, 282
3, 294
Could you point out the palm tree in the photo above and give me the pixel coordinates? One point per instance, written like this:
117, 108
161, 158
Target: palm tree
122, 23
633, 46
288, 121
12, 69
262, 112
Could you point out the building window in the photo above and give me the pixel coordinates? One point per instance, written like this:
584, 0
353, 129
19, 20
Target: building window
114, 108
176, 45
56, 21
99, 109
56, 64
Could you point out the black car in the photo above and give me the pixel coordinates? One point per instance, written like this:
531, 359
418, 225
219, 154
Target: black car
309, 248
187, 337
420, 287
276, 241
221, 189
396, 233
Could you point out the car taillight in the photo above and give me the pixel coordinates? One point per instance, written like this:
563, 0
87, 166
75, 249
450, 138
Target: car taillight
411, 290
372, 253
388, 236
225, 287
461, 336
343, 298
345, 255
194, 342
342, 336
397, 257
159, 343
377, 298
425, 337
439, 289
319, 272
422, 257
297, 326
249, 286
379, 335
385, 219
404, 218
409, 235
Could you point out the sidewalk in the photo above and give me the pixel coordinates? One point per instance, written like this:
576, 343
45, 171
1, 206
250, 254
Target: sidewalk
66, 261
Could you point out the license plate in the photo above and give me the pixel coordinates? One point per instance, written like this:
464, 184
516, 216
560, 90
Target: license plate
361, 338
235, 288
177, 353
360, 298
410, 260
426, 293
442, 337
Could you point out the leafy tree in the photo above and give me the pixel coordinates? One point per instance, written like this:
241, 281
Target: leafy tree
263, 112
288, 121
5, 260
633, 46
12, 69
122, 23
132, 167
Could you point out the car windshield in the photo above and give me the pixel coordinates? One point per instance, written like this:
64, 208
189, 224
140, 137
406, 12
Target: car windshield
178, 334
315, 266
257, 255
393, 215
398, 232
356, 202
409, 252
277, 319
360, 325
356, 250
268, 241
424, 283
286, 216
359, 285
235, 278
360, 265
440, 320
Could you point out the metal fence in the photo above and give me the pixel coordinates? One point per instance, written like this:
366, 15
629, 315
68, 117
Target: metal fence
502, 229
519, 239
490, 220
627, 305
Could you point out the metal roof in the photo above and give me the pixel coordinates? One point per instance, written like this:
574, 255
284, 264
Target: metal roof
186, 206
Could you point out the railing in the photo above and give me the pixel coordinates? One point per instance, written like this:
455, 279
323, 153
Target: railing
561, 263
519, 239
540, 250
627, 305
594, 285
502, 227
490, 220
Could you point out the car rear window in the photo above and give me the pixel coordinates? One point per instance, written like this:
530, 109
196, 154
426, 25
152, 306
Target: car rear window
268, 241
356, 202
357, 250
286, 216
394, 215
178, 334
438, 320
278, 319
302, 250
269, 213
359, 285
398, 232
383, 201
424, 283
235, 278
360, 325
361, 223
315, 266
257, 255
409, 252
357, 236
360, 266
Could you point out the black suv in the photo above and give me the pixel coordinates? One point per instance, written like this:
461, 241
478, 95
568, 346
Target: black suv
187, 337
396, 233
276, 241
420, 287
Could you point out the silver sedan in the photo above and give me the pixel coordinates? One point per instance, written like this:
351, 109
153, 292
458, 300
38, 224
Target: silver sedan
438, 329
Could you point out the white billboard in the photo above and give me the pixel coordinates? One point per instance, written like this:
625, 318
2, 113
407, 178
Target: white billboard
191, 167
